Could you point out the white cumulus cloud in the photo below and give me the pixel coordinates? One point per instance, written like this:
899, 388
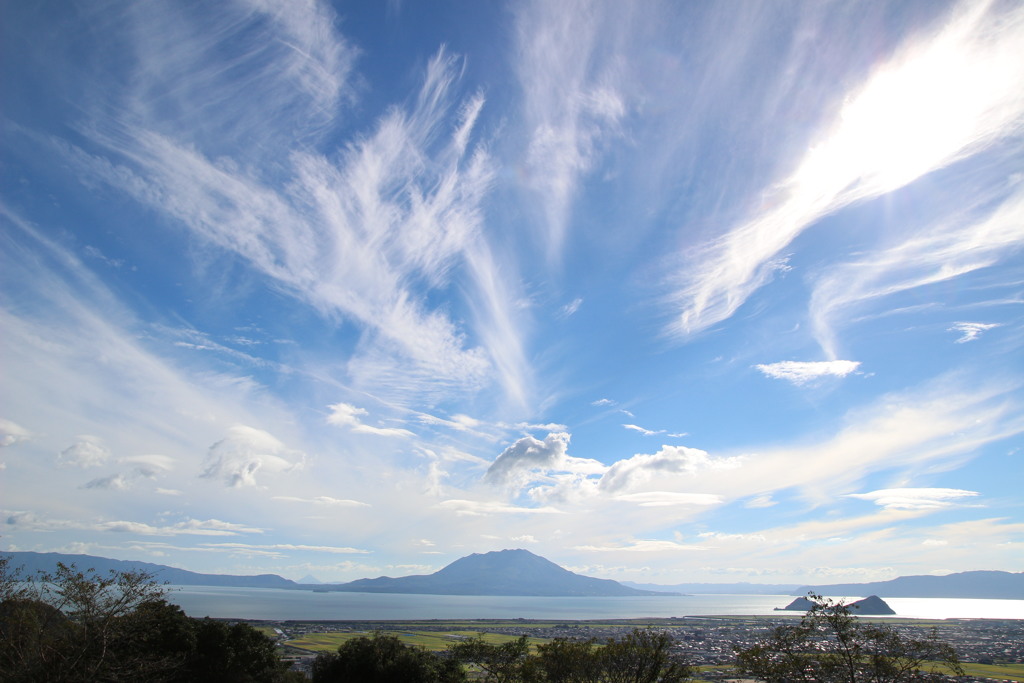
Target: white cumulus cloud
245, 451
633, 473
520, 462
86, 451
12, 433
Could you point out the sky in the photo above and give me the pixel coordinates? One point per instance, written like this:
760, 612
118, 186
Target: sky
661, 291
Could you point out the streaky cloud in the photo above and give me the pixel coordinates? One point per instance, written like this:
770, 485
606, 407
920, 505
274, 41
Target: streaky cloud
939, 99
935, 426
803, 372
936, 253
322, 500
475, 508
347, 415
357, 236
642, 546
334, 550
572, 101
971, 331
668, 498
914, 498
645, 432
285, 74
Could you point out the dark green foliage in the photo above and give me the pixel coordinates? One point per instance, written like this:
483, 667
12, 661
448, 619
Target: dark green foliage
567, 661
643, 656
499, 663
32, 636
384, 659
232, 653
829, 644
78, 626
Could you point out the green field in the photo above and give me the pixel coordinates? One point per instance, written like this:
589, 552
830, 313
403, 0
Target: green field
1003, 672
430, 640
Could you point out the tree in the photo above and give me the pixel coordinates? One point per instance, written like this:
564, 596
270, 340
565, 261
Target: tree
642, 656
70, 626
564, 660
66, 623
384, 659
499, 663
830, 644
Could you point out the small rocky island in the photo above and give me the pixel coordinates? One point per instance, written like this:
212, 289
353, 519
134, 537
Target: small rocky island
870, 606
798, 605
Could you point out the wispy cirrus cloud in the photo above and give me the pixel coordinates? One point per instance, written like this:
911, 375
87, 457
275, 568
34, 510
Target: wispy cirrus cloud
195, 527
570, 308
477, 508
193, 67
803, 372
900, 430
915, 498
362, 234
940, 423
347, 415
971, 331
572, 100
645, 432
669, 498
939, 99
272, 547
954, 247
322, 500
642, 546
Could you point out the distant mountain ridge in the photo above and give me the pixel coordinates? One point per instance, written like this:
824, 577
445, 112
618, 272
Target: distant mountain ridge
47, 562
520, 572
975, 584
503, 572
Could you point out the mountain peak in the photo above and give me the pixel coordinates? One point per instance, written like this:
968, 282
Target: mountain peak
500, 572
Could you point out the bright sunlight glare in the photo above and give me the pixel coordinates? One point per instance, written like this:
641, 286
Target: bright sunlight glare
920, 113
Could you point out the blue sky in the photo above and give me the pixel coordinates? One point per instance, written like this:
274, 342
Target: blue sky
660, 291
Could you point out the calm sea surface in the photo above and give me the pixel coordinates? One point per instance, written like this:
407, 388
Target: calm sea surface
274, 604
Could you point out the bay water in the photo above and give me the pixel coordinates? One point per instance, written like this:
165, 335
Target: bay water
299, 605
